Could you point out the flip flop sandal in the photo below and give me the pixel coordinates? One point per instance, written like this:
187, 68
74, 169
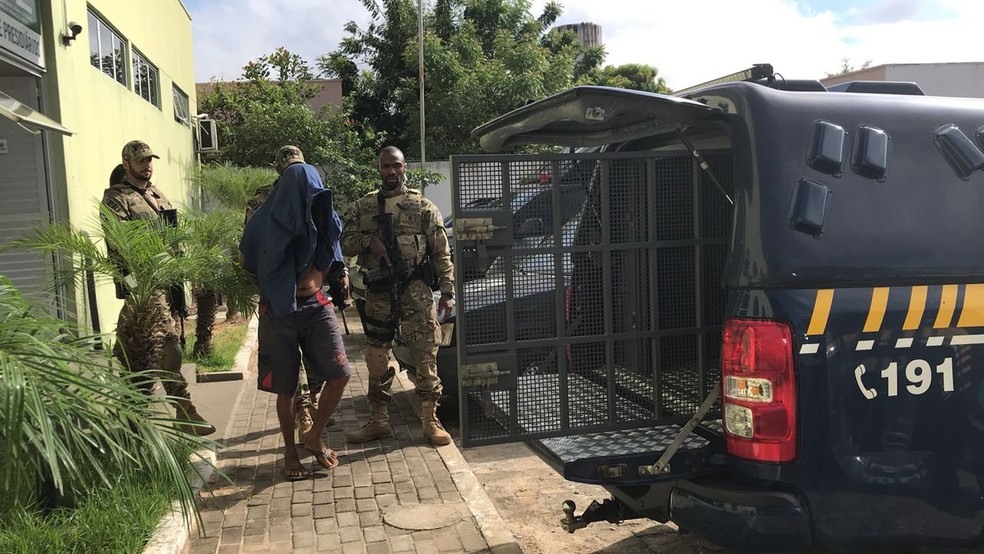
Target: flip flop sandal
296, 474
328, 458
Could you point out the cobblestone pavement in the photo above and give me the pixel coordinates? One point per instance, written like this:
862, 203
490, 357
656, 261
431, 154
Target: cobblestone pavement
392, 495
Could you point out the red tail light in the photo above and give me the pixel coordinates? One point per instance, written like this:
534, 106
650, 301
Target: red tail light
758, 390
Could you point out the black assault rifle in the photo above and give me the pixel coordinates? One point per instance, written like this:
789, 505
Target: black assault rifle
390, 276
338, 297
175, 291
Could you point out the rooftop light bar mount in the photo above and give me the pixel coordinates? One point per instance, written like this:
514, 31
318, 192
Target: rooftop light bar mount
754, 73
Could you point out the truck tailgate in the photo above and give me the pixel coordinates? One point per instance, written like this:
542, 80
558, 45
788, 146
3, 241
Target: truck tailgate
615, 457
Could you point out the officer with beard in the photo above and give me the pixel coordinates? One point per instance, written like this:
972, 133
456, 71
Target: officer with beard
424, 260
134, 197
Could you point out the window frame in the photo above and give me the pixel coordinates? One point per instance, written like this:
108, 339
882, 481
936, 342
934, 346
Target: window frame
176, 95
97, 32
153, 74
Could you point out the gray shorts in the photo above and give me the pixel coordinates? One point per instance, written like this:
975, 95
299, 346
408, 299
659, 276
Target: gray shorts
315, 330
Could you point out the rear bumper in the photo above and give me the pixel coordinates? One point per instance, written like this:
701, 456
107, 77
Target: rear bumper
741, 517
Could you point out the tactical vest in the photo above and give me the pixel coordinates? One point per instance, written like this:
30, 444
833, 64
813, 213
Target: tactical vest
413, 214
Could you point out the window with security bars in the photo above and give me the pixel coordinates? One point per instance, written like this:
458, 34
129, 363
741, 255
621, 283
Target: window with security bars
146, 79
181, 108
107, 49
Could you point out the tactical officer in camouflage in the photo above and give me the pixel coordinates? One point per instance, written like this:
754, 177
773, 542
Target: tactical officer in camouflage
424, 255
306, 398
135, 197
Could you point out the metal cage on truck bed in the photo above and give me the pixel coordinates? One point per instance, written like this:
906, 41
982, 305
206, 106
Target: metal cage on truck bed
602, 319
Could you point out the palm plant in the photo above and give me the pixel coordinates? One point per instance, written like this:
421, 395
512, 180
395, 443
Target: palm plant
230, 186
221, 275
147, 256
69, 421
142, 257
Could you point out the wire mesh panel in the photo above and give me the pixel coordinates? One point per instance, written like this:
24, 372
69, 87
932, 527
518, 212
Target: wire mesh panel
602, 302
674, 205
485, 185
635, 396
715, 210
628, 200
589, 385
680, 391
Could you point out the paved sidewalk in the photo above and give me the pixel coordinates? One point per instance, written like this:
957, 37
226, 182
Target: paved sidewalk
393, 495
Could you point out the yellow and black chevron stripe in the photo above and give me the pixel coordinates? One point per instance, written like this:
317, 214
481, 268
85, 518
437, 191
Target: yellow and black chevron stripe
957, 307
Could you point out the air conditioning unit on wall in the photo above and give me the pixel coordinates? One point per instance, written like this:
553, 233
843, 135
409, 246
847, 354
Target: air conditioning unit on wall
208, 137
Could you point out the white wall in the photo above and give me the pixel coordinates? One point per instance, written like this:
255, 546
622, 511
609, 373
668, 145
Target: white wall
942, 79
438, 193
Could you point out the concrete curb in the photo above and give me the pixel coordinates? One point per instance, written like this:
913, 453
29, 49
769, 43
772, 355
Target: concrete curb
218, 376
173, 533
241, 363
497, 534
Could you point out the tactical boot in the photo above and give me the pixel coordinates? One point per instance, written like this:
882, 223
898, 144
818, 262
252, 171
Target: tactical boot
186, 410
433, 429
376, 428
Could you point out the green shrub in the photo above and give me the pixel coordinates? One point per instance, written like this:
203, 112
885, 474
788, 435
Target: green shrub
120, 518
226, 341
73, 430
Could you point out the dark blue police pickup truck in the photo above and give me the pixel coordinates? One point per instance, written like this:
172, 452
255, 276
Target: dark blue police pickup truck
772, 330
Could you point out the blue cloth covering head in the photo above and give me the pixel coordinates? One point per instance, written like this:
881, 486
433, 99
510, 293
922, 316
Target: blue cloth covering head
295, 228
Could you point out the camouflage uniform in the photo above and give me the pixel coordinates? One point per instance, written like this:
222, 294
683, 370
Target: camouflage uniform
259, 197
420, 236
306, 393
130, 203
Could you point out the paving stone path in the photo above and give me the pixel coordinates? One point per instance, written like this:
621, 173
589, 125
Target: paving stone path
393, 495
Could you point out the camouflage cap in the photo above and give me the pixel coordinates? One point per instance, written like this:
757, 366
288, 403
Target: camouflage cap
138, 150
287, 155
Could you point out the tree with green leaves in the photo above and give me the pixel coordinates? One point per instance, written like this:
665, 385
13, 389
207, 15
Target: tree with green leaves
217, 275
292, 70
269, 108
72, 417
482, 58
228, 189
230, 186
631, 76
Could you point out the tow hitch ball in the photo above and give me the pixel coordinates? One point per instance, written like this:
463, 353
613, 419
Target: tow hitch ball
609, 510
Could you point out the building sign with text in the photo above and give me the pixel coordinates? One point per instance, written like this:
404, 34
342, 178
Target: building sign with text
20, 30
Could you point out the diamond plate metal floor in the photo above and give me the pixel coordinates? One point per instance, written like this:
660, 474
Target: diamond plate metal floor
619, 443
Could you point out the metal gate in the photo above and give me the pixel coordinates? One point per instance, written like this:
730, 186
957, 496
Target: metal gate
590, 290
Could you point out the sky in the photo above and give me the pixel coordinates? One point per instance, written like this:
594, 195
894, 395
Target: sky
688, 41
